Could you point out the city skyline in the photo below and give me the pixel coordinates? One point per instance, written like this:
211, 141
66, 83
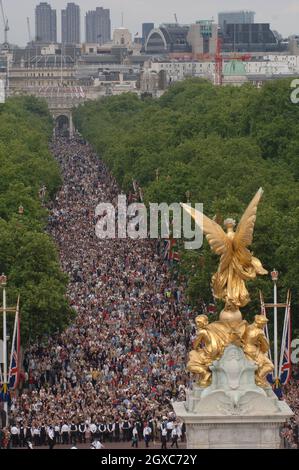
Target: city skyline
136, 12
70, 24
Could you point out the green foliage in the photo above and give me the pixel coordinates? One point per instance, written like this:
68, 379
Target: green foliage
27, 255
221, 144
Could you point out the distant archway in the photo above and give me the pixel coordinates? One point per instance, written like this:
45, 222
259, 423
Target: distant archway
62, 125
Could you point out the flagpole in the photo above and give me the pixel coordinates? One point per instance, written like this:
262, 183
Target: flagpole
284, 334
274, 276
13, 339
263, 307
3, 281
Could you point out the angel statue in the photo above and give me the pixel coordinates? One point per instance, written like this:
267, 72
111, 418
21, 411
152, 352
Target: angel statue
237, 263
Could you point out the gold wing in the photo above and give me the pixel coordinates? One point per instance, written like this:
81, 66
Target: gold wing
217, 238
244, 233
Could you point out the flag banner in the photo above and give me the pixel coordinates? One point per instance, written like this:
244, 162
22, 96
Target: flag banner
14, 368
285, 367
171, 250
175, 256
166, 250
5, 395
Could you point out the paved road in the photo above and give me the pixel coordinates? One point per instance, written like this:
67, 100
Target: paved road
117, 445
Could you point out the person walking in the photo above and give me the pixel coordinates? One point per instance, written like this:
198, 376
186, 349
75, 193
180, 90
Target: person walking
147, 435
14, 431
93, 431
73, 432
175, 437
57, 431
51, 438
135, 437
163, 436
82, 433
65, 432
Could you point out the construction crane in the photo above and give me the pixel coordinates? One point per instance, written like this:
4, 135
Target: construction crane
5, 22
219, 62
176, 18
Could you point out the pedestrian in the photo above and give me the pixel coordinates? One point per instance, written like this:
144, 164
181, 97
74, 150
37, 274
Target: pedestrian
51, 438
175, 436
65, 432
135, 437
164, 436
147, 435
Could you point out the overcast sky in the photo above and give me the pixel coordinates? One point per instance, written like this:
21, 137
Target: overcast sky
283, 15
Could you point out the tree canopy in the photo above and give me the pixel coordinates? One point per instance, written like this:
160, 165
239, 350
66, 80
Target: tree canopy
221, 144
28, 255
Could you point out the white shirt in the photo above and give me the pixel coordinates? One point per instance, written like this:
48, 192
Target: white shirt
14, 431
65, 428
93, 428
147, 431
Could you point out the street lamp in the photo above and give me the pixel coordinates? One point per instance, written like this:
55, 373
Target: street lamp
275, 276
3, 280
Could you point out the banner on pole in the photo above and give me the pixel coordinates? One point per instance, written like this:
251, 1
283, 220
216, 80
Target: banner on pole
285, 365
14, 366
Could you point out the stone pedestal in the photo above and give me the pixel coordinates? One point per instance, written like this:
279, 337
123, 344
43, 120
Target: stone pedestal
233, 413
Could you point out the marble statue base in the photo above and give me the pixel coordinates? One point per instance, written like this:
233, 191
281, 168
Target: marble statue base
233, 413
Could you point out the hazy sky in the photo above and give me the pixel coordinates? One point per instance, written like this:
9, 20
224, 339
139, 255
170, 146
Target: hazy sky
283, 15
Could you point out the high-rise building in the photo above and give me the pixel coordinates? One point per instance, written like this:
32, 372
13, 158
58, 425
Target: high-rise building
203, 37
146, 29
70, 24
256, 37
235, 17
45, 23
98, 26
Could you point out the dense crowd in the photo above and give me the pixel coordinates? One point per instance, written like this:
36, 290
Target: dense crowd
290, 432
118, 367
113, 374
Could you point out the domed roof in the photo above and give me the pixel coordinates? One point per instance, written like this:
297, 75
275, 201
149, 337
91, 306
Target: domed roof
235, 68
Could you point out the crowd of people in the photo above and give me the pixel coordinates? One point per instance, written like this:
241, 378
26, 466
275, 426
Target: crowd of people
121, 363
290, 432
113, 374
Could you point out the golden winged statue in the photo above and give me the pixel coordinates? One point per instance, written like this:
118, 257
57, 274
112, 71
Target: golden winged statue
237, 263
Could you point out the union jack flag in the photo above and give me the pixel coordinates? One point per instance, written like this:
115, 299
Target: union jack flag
14, 368
170, 250
167, 249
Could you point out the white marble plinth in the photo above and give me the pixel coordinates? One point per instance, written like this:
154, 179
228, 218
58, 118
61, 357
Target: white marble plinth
233, 413
233, 432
